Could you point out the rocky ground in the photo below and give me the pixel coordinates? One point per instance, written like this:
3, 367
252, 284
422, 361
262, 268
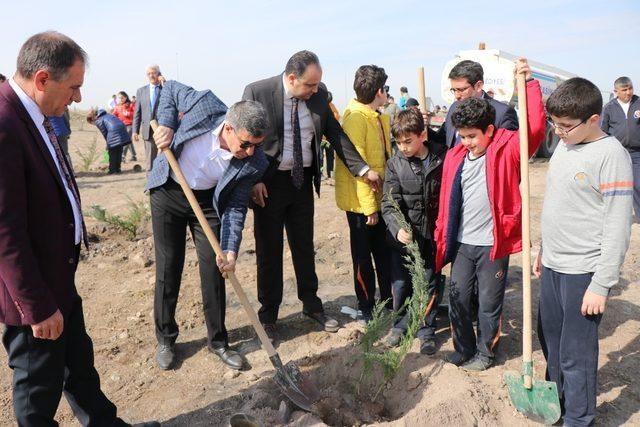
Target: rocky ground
116, 280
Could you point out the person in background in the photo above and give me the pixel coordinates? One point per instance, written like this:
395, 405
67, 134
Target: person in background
621, 118
115, 134
2, 78
62, 128
329, 153
124, 111
404, 96
111, 104
145, 111
391, 109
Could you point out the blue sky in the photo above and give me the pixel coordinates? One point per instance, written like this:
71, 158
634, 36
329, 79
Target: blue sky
224, 45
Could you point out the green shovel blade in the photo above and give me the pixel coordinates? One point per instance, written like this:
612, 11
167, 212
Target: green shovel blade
540, 403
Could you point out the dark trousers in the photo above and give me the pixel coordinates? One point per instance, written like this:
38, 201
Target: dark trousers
292, 209
570, 344
170, 217
472, 269
43, 369
635, 163
115, 159
402, 288
329, 156
369, 242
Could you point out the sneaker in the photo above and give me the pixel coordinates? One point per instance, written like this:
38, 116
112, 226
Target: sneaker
455, 358
477, 364
394, 337
428, 346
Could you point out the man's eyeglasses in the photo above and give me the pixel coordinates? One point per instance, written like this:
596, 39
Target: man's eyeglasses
565, 132
246, 144
459, 90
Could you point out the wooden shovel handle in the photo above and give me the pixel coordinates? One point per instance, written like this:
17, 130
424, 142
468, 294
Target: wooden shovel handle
195, 206
527, 331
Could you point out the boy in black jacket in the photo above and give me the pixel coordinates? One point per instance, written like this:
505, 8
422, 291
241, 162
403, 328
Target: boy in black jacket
412, 179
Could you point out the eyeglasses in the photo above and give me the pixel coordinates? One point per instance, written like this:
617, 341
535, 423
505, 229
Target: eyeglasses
565, 132
459, 90
247, 144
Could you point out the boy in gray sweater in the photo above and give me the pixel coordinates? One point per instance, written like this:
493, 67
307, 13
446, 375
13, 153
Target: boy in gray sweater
586, 225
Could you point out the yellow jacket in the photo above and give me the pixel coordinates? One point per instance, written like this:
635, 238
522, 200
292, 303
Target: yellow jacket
361, 124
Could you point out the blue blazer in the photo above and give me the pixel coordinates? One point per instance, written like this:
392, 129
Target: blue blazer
204, 112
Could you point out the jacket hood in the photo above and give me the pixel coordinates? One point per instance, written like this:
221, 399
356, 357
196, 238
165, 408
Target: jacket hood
357, 106
101, 112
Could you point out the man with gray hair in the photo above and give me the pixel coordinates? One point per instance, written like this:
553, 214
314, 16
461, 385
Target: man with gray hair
220, 156
146, 107
621, 118
41, 231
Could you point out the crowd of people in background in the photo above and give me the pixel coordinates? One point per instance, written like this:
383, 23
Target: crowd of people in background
457, 188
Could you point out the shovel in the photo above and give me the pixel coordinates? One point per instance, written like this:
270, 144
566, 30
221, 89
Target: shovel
534, 398
293, 383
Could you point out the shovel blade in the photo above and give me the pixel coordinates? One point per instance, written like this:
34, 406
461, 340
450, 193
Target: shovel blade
297, 386
540, 403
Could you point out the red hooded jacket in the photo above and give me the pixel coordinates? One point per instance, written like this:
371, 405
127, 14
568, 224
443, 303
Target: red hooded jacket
503, 180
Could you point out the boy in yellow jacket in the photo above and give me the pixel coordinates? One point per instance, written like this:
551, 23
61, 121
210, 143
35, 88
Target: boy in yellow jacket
369, 131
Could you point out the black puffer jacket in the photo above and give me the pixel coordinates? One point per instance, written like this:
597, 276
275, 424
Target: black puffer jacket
416, 190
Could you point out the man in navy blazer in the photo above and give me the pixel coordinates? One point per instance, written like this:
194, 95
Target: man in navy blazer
467, 80
41, 230
220, 155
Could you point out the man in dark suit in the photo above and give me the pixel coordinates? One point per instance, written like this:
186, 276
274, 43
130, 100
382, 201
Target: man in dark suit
299, 115
145, 110
219, 154
41, 229
467, 80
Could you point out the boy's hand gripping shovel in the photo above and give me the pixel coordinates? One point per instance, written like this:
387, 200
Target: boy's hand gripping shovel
293, 383
533, 398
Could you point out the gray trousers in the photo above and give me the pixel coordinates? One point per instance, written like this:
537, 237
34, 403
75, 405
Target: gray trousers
150, 153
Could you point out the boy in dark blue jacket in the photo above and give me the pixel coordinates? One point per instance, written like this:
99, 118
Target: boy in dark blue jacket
114, 132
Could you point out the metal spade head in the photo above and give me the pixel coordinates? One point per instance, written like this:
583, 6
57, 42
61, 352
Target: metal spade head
297, 386
540, 402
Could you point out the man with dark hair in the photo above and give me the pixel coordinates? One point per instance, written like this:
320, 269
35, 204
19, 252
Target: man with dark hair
41, 231
466, 79
621, 118
299, 115
230, 141
145, 110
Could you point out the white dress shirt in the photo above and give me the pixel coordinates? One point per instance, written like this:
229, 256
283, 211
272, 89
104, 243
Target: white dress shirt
38, 119
307, 131
202, 161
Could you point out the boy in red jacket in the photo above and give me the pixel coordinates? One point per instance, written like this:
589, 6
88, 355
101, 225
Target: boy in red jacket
479, 220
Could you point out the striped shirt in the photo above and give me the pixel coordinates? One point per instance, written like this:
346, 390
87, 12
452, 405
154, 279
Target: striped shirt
587, 211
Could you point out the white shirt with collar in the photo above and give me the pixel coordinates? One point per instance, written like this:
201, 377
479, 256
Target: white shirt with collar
307, 131
38, 119
203, 161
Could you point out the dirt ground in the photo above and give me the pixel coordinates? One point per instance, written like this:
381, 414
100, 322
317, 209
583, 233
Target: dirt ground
116, 280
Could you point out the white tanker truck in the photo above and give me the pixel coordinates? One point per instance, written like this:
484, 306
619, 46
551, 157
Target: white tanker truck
499, 81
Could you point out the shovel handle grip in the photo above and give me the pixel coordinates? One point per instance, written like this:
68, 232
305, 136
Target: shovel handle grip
195, 206
527, 346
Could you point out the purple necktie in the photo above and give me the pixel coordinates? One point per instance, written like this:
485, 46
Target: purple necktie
68, 176
297, 171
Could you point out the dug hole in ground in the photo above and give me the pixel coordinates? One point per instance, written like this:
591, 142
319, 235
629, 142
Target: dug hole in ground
116, 280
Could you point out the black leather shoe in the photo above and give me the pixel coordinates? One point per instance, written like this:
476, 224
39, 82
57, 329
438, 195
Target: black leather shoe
329, 324
229, 357
165, 356
270, 330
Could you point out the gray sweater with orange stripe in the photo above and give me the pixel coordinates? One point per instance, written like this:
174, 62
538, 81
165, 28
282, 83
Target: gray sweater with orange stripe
587, 211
